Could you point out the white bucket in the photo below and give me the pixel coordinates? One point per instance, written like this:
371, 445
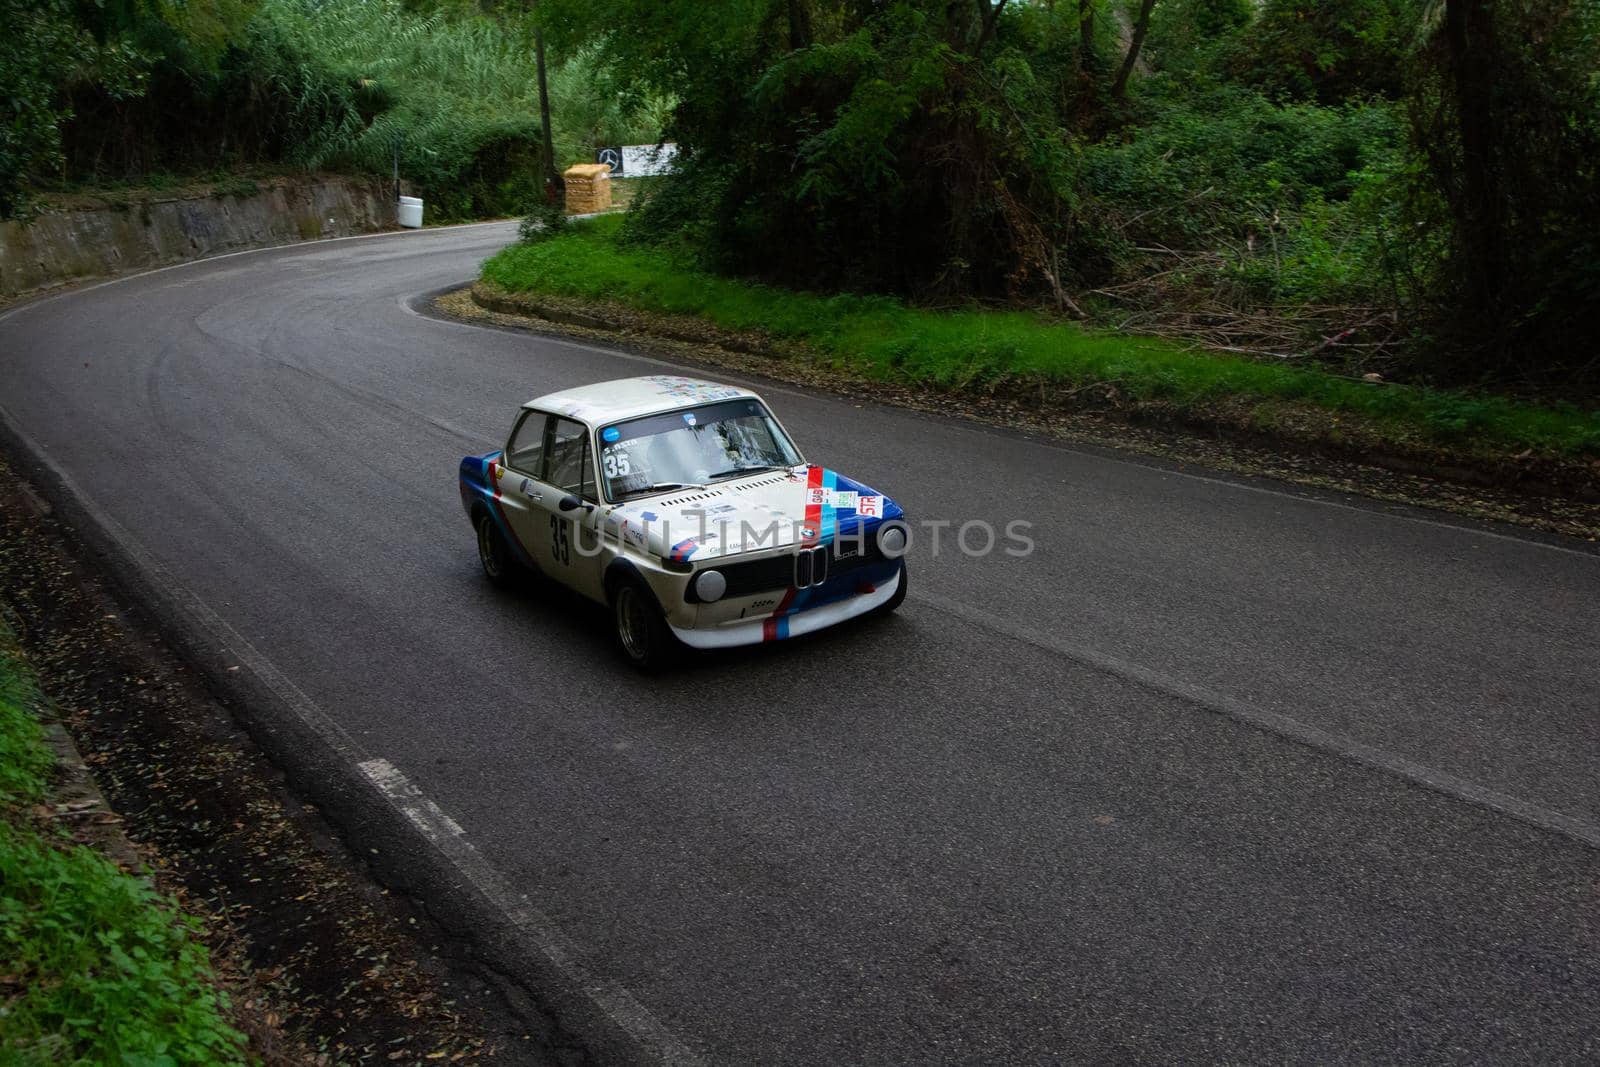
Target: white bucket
409, 213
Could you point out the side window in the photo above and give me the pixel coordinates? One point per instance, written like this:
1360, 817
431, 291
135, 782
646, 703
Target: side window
568, 459
526, 447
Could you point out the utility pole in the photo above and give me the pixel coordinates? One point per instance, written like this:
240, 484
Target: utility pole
552, 174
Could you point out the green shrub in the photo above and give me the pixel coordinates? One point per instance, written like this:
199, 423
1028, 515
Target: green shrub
1226, 165
453, 98
883, 338
98, 968
24, 761
106, 971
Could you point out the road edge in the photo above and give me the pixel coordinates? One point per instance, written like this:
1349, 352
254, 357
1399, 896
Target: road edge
1121, 447
410, 845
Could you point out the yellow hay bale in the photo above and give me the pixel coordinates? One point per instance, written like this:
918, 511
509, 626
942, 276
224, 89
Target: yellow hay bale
588, 188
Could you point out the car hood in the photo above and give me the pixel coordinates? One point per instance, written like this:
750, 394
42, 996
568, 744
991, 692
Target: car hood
763, 511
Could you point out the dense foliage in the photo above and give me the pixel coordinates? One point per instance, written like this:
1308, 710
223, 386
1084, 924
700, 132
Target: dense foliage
95, 92
1405, 186
1408, 185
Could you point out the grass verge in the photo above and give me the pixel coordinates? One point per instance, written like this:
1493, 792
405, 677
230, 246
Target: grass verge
95, 966
987, 350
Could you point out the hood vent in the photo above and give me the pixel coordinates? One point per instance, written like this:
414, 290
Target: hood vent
690, 498
709, 494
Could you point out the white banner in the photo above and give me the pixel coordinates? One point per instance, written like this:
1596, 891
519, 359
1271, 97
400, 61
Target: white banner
644, 160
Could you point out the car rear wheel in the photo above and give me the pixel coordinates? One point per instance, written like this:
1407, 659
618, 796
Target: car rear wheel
642, 633
493, 553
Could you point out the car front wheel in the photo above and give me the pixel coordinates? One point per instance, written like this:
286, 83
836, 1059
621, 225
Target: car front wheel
897, 599
642, 632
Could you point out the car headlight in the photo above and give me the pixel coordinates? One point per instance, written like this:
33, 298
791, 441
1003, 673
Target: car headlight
892, 541
709, 586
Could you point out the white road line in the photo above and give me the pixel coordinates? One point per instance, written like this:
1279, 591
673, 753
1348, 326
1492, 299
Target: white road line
553, 945
1390, 763
424, 814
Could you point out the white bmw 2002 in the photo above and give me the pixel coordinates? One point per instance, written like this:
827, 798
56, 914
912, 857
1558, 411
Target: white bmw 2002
684, 507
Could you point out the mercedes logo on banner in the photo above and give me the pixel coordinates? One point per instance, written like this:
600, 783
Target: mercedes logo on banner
612, 157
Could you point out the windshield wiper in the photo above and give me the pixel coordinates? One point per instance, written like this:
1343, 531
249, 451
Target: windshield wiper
735, 472
660, 487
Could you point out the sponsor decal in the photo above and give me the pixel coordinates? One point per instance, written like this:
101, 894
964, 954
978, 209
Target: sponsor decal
869, 507
720, 508
680, 388
688, 416
648, 516
610, 434
632, 534
816, 498
683, 550
843, 498
526, 485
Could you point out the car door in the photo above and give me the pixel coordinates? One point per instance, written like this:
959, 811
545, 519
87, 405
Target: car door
567, 543
517, 487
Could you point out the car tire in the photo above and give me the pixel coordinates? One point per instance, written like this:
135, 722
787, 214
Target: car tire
888, 606
641, 630
494, 555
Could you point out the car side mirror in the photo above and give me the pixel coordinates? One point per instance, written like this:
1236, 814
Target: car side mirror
570, 502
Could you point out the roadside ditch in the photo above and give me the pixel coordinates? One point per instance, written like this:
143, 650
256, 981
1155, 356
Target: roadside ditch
331, 966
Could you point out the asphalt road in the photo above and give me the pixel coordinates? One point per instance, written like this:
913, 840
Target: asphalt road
1218, 771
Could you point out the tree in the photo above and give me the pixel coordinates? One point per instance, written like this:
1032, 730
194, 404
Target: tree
553, 184
1141, 27
39, 41
915, 146
1505, 115
46, 51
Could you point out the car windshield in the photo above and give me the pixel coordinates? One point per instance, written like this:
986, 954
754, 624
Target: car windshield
691, 447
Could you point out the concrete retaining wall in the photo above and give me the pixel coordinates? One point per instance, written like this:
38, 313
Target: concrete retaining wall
111, 237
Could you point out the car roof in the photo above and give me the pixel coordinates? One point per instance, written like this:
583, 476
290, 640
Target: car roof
626, 398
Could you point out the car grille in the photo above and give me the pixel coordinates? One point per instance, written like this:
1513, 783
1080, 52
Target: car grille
808, 566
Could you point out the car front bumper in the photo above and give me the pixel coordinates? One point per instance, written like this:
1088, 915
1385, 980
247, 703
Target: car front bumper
800, 619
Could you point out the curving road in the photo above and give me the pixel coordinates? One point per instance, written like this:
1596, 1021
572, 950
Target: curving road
1220, 770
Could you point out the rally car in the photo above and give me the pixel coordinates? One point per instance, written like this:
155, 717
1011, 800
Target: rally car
684, 507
